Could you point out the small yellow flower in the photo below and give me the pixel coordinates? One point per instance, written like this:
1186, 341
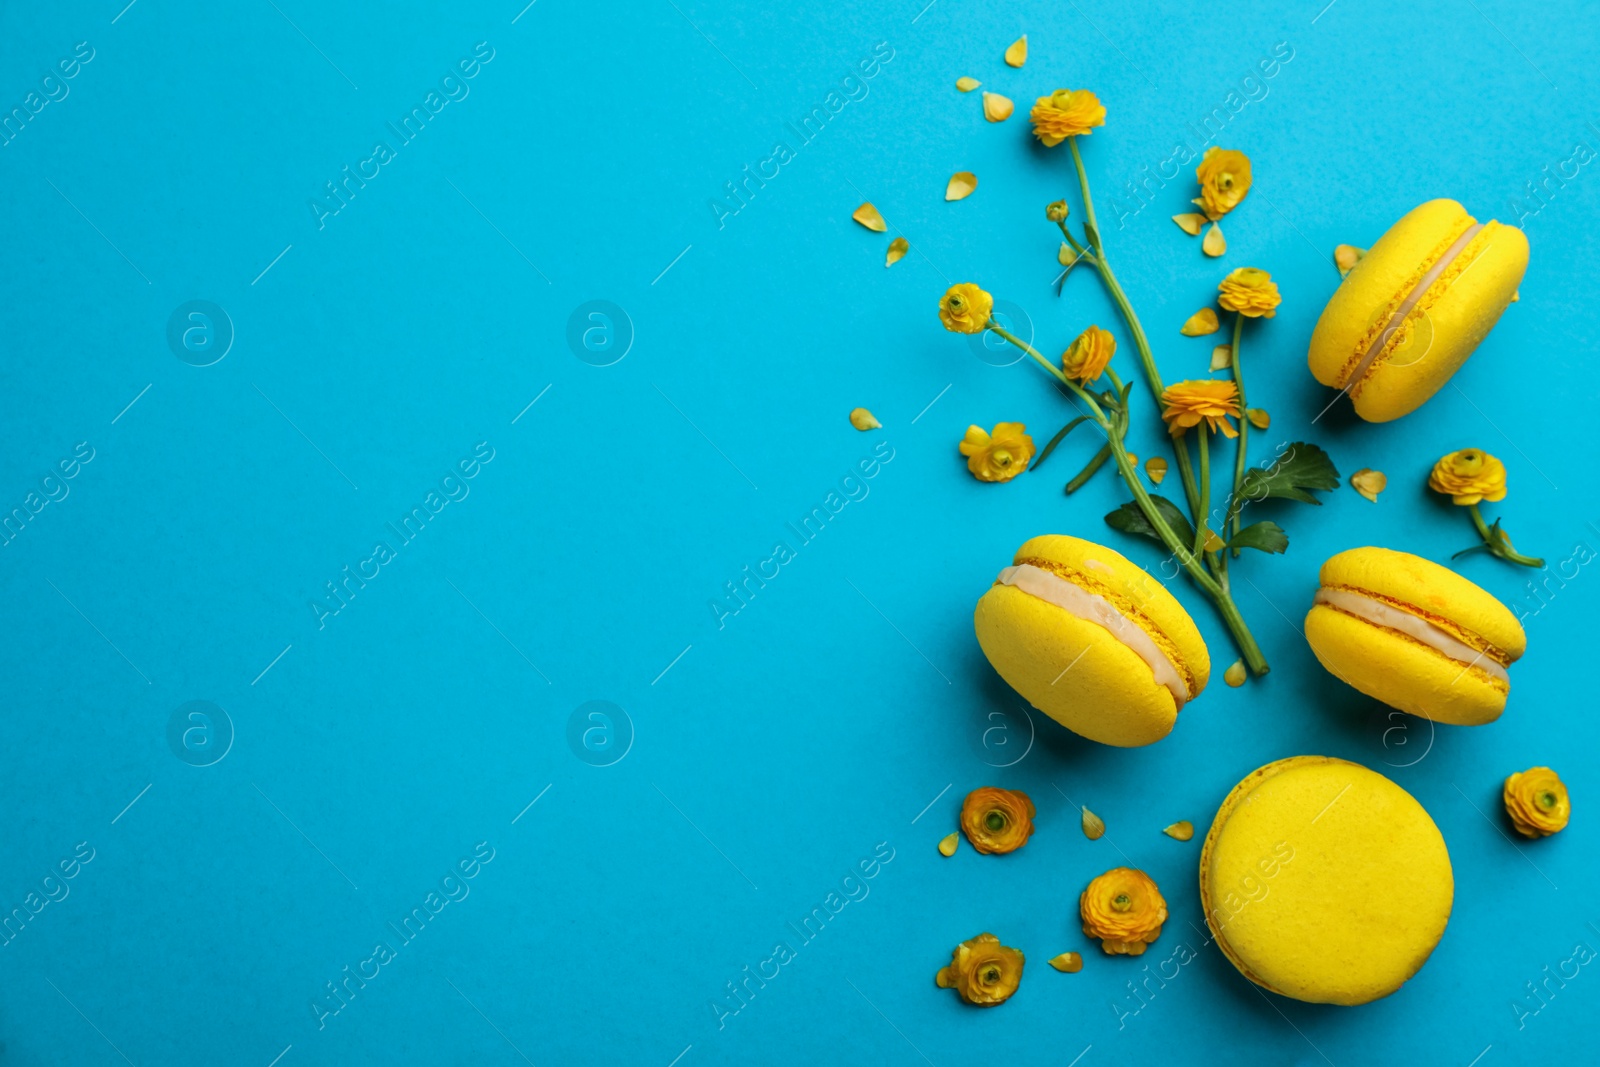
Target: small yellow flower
1086, 358
997, 820
1124, 909
1224, 180
1469, 476
965, 308
1536, 799
1250, 292
998, 456
1066, 113
1056, 211
983, 971
1209, 400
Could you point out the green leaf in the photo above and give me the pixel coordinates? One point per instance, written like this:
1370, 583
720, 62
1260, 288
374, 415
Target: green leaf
1089, 468
1267, 536
1130, 519
1057, 439
1301, 468
1092, 234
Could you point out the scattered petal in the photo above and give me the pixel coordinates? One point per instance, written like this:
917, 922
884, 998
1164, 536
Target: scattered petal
1235, 674
863, 420
1214, 245
948, 844
1094, 827
1066, 257
868, 216
1180, 831
1200, 323
1017, 54
1190, 222
1369, 483
1213, 543
897, 250
1068, 963
1258, 418
1133, 460
1156, 468
1345, 257
966, 84
997, 108
1222, 357
961, 185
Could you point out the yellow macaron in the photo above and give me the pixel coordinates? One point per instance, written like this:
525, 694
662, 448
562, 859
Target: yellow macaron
1324, 881
1415, 306
1091, 640
1415, 635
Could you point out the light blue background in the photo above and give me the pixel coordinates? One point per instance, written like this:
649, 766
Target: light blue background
778, 751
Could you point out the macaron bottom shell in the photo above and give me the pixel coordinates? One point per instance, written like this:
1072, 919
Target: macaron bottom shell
1324, 881
1074, 671
1401, 672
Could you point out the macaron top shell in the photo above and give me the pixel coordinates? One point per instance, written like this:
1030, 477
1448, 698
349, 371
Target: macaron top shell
1438, 594
1325, 881
1132, 591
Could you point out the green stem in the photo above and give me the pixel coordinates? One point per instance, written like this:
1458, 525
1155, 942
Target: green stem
1071, 240
1244, 436
1498, 543
1203, 519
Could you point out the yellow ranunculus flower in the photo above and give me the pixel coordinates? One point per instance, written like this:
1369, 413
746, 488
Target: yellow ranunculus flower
1207, 400
998, 456
965, 308
1066, 113
997, 820
1086, 358
1250, 292
1469, 476
1224, 180
1536, 799
983, 971
1124, 909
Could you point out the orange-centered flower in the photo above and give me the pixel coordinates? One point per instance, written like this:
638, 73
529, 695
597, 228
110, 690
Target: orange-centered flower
997, 820
1250, 292
1124, 909
1066, 113
1086, 358
1469, 476
965, 308
998, 456
1224, 180
1537, 802
983, 971
1207, 400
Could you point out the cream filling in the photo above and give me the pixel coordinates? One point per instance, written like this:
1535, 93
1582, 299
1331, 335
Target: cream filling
1381, 614
1399, 317
1077, 601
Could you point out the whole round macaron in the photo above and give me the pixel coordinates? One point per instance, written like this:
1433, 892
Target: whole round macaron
1415, 635
1415, 306
1324, 881
1091, 640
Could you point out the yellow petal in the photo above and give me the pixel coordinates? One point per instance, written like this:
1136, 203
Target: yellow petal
997, 108
1017, 54
1156, 468
868, 216
1369, 483
1067, 963
1214, 245
962, 183
1213, 543
948, 844
863, 420
1180, 831
1066, 257
1190, 222
1258, 418
1345, 257
1093, 826
966, 84
1235, 674
897, 250
1133, 459
1200, 323
1222, 357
